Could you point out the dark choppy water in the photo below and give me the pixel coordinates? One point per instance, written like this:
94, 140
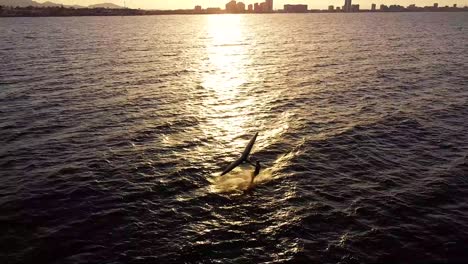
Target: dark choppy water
113, 130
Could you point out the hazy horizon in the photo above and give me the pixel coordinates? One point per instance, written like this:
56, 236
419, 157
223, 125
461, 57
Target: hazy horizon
278, 4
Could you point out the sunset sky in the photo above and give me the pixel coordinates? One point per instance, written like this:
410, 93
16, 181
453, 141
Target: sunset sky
278, 4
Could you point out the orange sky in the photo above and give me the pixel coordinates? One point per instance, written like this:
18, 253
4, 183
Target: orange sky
278, 4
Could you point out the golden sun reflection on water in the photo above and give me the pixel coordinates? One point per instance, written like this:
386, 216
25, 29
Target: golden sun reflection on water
228, 108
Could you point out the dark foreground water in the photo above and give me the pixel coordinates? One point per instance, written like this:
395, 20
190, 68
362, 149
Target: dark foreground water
113, 132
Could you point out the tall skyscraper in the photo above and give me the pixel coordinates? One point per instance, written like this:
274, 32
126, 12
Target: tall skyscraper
269, 5
347, 6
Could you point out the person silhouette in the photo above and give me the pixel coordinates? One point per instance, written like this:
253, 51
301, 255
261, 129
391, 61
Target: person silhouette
255, 173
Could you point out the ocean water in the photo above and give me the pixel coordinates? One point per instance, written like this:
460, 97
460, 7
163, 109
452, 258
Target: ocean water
114, 130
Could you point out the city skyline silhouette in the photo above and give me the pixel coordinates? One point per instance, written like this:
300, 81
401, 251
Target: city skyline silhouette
277, 4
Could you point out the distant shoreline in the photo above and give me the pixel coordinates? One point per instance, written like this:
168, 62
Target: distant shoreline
77, 12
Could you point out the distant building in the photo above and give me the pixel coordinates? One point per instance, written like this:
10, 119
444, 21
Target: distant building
263, 7
412, 7
231, 7
240, 7
338, 8
454, 5
331, 8
213, 10
354, 8
436, 5
373, 6
347, 6
295, 8
198, 9
269, 6
396, 8
250, 8
257, 8
383, 8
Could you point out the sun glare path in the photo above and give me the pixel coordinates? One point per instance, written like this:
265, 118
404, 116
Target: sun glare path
227, 108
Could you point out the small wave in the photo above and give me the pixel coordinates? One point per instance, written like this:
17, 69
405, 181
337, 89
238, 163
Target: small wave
231, 45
